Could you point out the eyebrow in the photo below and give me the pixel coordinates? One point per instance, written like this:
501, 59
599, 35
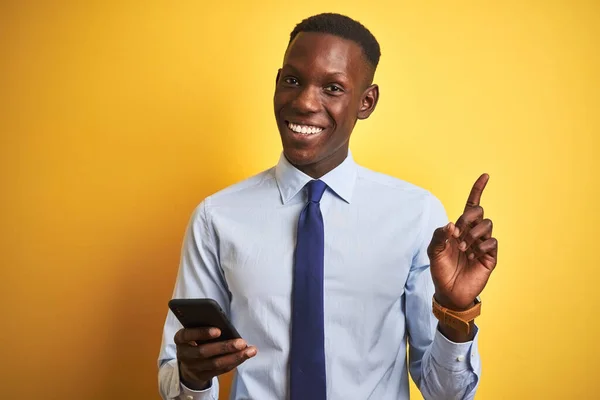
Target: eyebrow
329, 74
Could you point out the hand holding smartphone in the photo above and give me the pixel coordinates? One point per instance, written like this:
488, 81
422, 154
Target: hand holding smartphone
208, 345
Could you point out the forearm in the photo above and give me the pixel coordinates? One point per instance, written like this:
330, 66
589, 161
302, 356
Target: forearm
450, 370
171, 388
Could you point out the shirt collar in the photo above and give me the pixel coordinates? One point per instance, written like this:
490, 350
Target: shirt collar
291, 180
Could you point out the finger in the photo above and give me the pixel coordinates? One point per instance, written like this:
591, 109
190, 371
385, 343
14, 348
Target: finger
472, 236
488, 249
187, 335
471, 216
210, 350
227, 362
205, 351
440, 239
482, 239
476, 191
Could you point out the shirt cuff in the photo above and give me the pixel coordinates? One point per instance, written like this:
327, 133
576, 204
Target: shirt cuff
205, 394
455, 356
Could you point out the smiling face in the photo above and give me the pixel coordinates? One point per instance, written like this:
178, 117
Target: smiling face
322, 89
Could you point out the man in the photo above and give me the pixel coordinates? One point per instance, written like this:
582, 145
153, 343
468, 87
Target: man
328, 269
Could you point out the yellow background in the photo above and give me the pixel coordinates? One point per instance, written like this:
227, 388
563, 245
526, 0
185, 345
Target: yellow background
117, 118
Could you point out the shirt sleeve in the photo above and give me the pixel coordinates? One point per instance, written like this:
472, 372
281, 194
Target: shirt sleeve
440, 368
199, 276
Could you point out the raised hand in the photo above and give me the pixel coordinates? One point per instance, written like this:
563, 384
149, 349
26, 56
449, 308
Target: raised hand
464, 254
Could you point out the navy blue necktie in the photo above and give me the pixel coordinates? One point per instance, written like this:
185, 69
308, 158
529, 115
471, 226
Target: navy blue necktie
307, 354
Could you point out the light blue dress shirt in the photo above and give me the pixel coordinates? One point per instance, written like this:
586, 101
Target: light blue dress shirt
239, 249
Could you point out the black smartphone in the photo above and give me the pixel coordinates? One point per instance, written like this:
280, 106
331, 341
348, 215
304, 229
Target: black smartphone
200, 313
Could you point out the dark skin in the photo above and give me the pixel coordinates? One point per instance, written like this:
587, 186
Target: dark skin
199, 361
325, 84
463, 256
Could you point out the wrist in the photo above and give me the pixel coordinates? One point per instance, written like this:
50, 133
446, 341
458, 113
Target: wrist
450, 305
455, 323
195, 385
457, 336
190, 382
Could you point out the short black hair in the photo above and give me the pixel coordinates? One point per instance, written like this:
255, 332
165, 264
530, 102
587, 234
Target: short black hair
344, 27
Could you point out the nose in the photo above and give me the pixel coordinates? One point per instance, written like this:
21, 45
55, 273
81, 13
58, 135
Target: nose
307, 100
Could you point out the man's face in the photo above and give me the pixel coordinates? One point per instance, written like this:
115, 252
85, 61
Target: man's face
322, 88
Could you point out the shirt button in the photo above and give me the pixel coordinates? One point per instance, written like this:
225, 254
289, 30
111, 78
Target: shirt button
460, 358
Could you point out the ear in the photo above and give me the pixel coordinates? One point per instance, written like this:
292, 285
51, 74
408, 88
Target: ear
277, 77
368, 102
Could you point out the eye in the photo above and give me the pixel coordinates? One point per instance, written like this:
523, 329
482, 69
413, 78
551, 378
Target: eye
290, 80
334, 88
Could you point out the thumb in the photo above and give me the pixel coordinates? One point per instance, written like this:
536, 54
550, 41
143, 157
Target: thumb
439, 242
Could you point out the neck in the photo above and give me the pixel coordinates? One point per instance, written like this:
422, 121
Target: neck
317, 169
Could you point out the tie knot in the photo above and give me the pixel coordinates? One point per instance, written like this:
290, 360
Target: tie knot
316, 188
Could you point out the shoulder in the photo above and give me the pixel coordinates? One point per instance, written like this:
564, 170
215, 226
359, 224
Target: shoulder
250, 191
387, 185
244, 191
397, 195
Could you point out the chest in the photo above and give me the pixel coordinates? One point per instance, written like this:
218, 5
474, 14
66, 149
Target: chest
367, 253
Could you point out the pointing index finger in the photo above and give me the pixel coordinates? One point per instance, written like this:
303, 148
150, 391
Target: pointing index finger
476, 191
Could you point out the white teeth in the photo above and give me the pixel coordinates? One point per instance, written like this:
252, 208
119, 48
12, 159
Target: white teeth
304, 129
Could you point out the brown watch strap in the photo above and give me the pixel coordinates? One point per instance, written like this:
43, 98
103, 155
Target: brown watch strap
459, 320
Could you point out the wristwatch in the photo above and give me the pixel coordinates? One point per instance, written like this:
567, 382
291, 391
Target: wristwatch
459, 320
